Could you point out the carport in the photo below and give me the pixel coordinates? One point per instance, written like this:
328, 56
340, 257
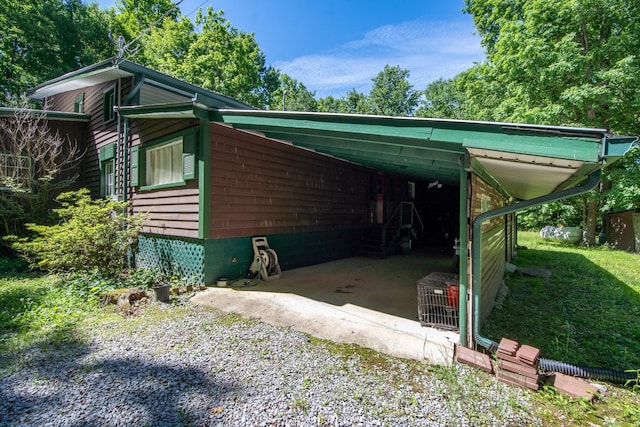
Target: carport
525, 164
495, 169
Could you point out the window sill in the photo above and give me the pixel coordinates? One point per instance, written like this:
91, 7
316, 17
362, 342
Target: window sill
160, 186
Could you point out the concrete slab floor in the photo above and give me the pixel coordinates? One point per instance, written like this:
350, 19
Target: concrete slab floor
365, 301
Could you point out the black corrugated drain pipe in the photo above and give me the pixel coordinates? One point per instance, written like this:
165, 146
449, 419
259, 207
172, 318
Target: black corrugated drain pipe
547, 365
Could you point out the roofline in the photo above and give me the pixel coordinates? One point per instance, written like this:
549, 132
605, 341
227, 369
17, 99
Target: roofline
150, 74
565, 130
48, 114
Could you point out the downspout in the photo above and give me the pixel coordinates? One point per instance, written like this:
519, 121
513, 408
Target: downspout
462, 257
125, 168
476, 246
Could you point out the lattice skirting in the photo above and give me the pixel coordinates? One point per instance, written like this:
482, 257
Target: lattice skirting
180, 257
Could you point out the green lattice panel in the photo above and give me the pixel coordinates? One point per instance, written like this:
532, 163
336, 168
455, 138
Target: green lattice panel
172, 256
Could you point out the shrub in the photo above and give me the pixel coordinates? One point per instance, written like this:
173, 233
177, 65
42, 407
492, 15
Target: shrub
92, 235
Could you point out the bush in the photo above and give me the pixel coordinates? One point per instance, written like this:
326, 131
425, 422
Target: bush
92, 235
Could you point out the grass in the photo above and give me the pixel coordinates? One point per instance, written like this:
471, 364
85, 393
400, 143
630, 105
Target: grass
586, 313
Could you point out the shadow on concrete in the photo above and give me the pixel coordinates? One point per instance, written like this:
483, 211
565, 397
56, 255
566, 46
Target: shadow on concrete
387, 285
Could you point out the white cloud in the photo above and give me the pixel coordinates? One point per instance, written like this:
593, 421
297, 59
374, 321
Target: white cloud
429, 50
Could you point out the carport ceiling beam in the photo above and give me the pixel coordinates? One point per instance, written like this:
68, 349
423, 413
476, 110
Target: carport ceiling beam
296, 134
354, 147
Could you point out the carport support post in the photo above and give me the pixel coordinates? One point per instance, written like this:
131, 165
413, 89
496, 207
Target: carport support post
463, 236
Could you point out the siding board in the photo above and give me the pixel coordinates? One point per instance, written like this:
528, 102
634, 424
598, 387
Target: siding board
260, 186
494, 243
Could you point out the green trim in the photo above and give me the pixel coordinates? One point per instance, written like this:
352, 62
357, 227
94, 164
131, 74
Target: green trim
188, 136
134, 166
204, 179
107, 152
125, 161
586, 149
189, 156
103, 176
463, 261
108, 102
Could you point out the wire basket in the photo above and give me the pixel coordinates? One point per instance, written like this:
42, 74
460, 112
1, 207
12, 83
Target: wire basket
438, 301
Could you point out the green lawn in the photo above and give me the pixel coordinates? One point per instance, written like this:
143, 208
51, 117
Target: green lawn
587, 312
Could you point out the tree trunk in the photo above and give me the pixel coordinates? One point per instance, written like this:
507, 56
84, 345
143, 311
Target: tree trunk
591, 221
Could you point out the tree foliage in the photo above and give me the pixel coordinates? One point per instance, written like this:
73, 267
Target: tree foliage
42, 39
292, 95
91, 235
565, 62
442, 99
622, 188
392, 94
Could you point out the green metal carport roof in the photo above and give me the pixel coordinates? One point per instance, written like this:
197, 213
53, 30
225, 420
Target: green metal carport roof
525, 161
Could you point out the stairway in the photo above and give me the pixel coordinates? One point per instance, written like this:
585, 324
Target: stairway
378, 242
395, 236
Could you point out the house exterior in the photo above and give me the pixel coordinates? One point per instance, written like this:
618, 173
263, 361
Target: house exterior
212, 172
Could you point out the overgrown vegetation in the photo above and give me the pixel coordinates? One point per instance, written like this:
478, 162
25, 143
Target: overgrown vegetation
90, 235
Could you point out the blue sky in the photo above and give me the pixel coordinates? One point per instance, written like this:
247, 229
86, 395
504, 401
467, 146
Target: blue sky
333, 46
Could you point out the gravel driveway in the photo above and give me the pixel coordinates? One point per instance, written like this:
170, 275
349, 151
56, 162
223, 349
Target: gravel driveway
182, 364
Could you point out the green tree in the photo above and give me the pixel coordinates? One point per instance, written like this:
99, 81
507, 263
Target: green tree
357, 103
392, 94
564, 62
332, 105
136, 17
41, 39
442, 99
622, 183
292, 95
212, 54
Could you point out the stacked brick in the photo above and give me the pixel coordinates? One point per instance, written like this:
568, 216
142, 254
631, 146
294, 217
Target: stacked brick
517, 365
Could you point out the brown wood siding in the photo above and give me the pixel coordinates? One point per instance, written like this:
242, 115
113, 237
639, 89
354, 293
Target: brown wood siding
172, 211
493, 243
261, 187
99, 133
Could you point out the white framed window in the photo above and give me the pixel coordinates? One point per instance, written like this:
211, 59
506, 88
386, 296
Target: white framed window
163, 164
15, 171
109, 171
